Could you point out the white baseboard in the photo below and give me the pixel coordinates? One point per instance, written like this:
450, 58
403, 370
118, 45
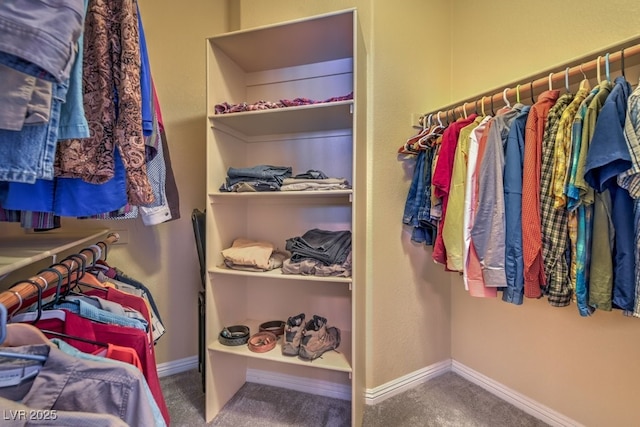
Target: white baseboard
519, 400
406, 382
319, 387
378, 394
177, 366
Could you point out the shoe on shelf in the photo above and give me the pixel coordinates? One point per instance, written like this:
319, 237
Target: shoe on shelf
317, 338
293, 335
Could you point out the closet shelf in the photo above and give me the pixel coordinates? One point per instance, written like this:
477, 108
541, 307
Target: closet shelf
277, 274
24, 249
286, 44
332, 360
261, 125
333, 196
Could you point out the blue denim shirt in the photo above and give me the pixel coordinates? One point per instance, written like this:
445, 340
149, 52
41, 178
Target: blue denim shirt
514, 157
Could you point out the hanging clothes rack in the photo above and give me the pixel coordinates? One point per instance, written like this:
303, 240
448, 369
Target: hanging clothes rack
49, 279
622, 54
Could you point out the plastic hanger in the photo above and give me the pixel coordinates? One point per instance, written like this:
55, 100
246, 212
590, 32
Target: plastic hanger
88, 279
622, 63
550, 81
504, 98
606, 67
7, 335
566, 80
20, 302
39, 292
598, 75
533, 101
71, 337
483, 114
585, 80
464, 110
105, 250
517, 94
41, 312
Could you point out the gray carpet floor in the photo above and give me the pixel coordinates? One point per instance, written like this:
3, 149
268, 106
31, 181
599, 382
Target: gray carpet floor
447, 400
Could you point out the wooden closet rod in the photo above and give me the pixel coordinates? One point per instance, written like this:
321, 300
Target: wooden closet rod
576, 67
49, 279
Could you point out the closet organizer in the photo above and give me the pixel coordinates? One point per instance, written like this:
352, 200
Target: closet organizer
536, 197
318, 58
80, 334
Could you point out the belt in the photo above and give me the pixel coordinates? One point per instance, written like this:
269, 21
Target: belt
274, 326
234, 335
262, 342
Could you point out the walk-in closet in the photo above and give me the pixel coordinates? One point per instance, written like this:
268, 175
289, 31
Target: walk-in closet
346, 213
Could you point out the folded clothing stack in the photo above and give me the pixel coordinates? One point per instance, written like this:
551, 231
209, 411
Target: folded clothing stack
251, 255
255, 178
320, 253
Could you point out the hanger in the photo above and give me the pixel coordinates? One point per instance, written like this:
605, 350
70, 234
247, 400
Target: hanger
105, 249
88, 279
533, 101
20, 302
476, 107
585, 80
518, 94
550, 81
7, 335
41, 312
504, 98
464, 110
598, 76
483, 114
39, 291
606, 67
493, 113
71, 337
622, 63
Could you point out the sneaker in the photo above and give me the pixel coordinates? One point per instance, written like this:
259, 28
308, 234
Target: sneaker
317, 338
293, 335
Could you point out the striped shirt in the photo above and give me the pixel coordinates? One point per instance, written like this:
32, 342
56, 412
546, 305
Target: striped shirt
553, 221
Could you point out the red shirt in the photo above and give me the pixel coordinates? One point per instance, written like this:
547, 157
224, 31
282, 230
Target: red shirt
442, 179
137, 339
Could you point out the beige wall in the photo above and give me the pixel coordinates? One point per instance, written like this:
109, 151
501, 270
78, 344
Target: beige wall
585, 368
164, 257
408, 307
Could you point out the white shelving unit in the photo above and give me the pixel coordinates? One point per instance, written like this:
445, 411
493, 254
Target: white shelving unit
317, 58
